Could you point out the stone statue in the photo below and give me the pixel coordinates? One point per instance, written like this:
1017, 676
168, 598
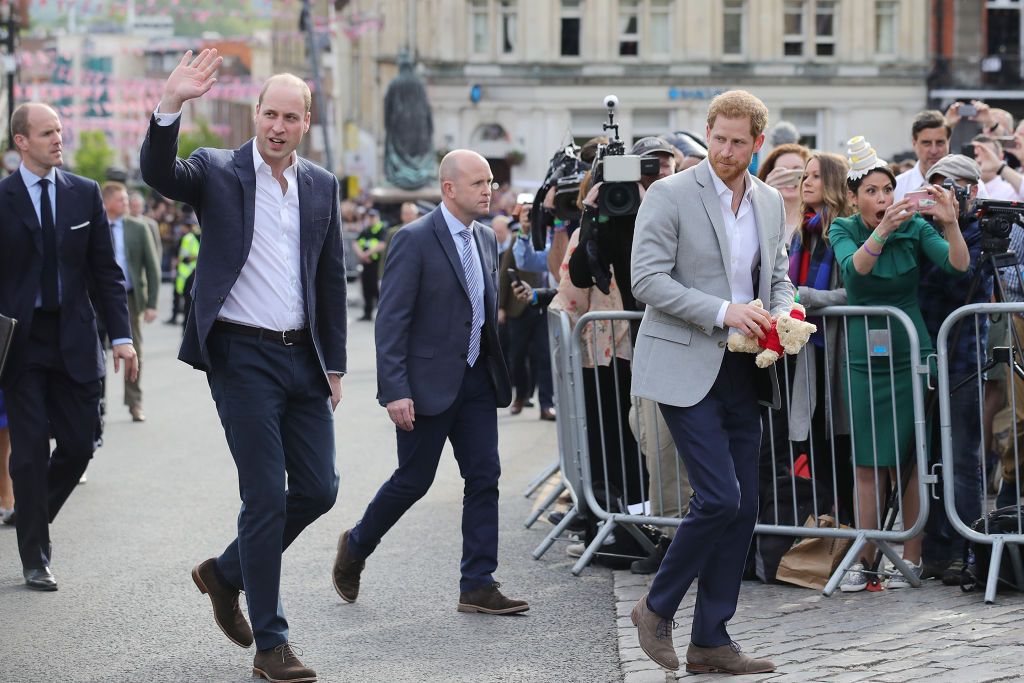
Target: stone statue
409, 161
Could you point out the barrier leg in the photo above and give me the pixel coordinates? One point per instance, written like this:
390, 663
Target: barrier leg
851, 556
1018, 567
555, 533
993, 570
641, 538
540, 479
898, 563
545, 504
591, 550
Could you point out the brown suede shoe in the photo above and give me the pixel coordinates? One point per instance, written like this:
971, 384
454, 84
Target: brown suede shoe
226, 611
655, 635
489, 600
281, 665
347, 569
724, 659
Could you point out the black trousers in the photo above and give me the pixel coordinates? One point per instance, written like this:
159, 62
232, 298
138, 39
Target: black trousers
371, 287
46, 401
529, 356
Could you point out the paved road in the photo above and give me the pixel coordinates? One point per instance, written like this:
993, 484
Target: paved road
162, 496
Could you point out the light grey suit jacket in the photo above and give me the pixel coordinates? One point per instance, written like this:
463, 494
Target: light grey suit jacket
679, 269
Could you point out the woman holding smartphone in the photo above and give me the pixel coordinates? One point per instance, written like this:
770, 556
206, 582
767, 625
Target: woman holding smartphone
817, 410
782, 169
879, 251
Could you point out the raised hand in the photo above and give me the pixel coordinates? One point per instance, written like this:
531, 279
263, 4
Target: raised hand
192, 78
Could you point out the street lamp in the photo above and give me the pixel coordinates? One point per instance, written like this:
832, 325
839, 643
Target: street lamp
8, 35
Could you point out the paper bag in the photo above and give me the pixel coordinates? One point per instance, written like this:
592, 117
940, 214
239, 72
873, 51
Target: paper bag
810, 562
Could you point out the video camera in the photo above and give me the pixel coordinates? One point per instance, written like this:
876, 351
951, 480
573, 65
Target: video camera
565, 173
996, 219
619, 173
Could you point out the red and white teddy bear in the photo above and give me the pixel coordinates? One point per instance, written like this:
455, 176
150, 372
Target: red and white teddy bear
789, 333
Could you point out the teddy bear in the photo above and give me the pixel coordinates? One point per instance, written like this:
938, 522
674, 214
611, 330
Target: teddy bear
788, 334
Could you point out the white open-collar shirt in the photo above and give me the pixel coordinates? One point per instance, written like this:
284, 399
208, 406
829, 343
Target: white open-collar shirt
744, 244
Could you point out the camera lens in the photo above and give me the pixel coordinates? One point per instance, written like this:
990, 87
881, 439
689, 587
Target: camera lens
619, 199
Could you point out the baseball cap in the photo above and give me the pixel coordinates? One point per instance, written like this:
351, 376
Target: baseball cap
651, 145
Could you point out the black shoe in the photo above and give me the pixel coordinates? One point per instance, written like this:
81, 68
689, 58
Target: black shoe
935, 570
578, 524
40, 579
953, 574
172, 321
366, 318
527, 403
651, 563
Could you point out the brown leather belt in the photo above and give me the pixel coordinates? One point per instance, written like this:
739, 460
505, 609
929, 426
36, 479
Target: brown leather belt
286, 338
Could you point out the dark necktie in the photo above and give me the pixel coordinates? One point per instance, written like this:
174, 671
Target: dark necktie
49, 287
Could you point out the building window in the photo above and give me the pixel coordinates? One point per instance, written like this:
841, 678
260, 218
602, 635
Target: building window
793, 28
629, 28
733, 38
660, 27
507, 19
885, 27
825, 28
479, 20
571, 28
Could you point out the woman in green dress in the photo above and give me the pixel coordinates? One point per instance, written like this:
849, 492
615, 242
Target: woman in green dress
879, 250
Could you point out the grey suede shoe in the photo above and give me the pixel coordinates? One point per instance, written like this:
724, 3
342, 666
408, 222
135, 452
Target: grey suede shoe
724, 659
655, 635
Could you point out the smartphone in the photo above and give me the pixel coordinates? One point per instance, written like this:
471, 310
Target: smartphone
967, 109
921, 199
514, 275
524, 198
794, 176
967, 149
1007, 141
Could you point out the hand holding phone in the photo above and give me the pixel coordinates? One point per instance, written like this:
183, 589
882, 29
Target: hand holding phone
967, 109
514, 276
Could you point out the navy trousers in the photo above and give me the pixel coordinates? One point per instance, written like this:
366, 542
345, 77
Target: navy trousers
277, 417
471, 424
719, 441
46, 400
530, 357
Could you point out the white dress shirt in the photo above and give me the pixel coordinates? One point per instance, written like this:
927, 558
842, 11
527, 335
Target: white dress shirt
268, 291
997, 188
455, 226
744, 244
908, 181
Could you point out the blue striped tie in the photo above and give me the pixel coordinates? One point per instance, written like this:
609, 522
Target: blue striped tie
475, 285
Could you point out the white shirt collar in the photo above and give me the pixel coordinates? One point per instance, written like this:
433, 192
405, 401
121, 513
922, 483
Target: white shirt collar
721, 188
455, 226
30, 178
258, 162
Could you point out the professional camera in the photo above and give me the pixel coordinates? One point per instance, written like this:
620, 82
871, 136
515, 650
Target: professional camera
996, 219
565, 173
619, 173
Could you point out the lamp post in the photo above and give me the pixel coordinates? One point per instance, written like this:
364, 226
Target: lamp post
8, 34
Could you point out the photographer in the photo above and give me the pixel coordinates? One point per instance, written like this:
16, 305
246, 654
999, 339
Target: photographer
939, 294
606, 241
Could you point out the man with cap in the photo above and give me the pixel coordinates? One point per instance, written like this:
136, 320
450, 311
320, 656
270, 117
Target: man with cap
939, 295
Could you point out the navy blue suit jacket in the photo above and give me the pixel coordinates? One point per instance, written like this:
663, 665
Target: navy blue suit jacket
85, 257
220, 185
424, 317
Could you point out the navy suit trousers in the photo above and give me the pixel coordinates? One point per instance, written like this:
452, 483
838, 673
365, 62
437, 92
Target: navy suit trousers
46, 401
280, 429
719, 441
471, 424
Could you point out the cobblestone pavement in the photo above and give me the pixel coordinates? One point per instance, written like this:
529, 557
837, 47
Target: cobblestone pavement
935, 633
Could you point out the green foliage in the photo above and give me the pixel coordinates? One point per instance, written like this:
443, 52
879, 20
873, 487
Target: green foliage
202, 136
94, 155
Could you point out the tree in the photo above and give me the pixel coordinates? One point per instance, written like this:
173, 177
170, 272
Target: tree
94, 155
201, 136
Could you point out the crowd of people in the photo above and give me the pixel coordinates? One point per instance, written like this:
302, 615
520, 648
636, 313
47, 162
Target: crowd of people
699, 241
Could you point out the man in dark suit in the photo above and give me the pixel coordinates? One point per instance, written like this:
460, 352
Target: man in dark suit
56, 241
441, 375
135, 253
267, 324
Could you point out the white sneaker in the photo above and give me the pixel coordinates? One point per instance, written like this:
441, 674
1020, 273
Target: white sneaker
900, 581
575, 549
855, 579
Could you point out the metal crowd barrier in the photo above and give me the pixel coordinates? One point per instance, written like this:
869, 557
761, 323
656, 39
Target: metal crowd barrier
627, 467
1006, 358
565, 378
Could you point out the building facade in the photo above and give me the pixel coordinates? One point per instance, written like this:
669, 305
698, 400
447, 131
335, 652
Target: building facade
516, 79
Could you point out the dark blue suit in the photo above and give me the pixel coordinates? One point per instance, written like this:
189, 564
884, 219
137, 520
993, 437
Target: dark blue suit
273, 400
52, 379
423, 332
